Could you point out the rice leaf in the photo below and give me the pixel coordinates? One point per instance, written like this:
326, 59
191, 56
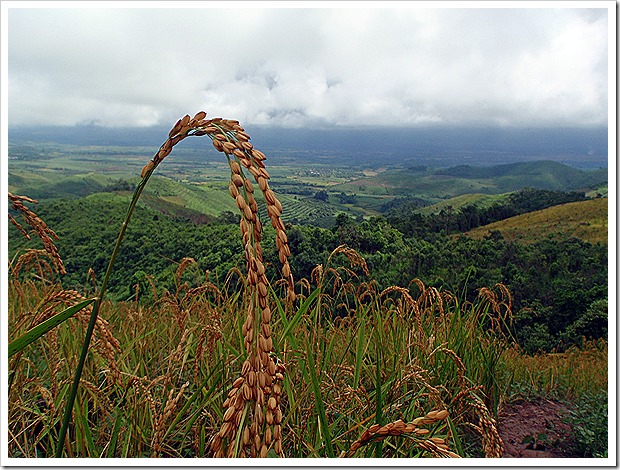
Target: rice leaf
42, 328
318, 399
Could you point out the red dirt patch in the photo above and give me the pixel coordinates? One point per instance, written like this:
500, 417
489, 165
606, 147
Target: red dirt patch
535, 430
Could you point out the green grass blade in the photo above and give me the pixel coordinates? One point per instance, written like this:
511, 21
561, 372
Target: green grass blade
84, 429
115, 432
359, 355
458, 446
328, 354
318, 399
126, 445
378, 402
42, 328
185, 409
303, 308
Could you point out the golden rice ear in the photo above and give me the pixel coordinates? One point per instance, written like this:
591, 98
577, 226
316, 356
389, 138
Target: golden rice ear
258, 155
185, 120
200, 116
46, 234
175, 129
260, 374
148, 167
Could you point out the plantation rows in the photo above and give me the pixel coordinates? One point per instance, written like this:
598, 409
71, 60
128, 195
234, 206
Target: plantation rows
298, 210
213, 199
210, 200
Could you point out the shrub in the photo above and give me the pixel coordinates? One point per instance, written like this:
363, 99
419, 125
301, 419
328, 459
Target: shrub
590, 423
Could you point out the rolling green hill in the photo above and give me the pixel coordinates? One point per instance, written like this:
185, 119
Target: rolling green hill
586, 220
436, 185
539, 175
47, 184
210, 198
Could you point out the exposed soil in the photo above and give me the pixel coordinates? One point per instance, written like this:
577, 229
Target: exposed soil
536, 430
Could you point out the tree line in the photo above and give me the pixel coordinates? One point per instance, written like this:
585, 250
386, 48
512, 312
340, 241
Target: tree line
404, 217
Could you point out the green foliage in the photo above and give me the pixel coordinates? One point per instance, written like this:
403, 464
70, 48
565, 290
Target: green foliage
589, 420
557, 281
535, 338
321, 196
344, 198
88, 227
592, 324
38, 331
530, 200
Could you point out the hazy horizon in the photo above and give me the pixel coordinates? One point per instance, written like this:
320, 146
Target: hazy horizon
437, 145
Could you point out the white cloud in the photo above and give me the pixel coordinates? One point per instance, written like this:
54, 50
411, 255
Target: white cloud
319, 66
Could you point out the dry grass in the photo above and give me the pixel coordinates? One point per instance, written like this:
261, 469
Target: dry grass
376, 370
41, 229
567, 375
586, 220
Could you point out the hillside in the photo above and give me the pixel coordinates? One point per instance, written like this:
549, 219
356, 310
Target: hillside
539, 175
480, 200
435, 185
586, 220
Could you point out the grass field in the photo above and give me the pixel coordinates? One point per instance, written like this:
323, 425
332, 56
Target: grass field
158, 373
587, 220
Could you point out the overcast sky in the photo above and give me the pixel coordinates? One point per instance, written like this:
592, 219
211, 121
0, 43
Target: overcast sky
315, 67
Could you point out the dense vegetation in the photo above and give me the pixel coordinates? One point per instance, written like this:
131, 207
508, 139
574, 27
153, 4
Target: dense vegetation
559, 287
405, 217
159, 369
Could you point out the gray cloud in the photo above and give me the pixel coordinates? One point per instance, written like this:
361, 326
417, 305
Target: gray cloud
318, 66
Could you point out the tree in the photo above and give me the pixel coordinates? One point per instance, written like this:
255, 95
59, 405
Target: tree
321, 195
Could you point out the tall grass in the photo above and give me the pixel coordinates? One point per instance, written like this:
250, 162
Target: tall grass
567, 376
343, 375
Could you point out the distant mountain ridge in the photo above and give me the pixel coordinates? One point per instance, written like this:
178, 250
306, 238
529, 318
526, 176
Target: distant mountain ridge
539, 174
434, 185
505, 169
